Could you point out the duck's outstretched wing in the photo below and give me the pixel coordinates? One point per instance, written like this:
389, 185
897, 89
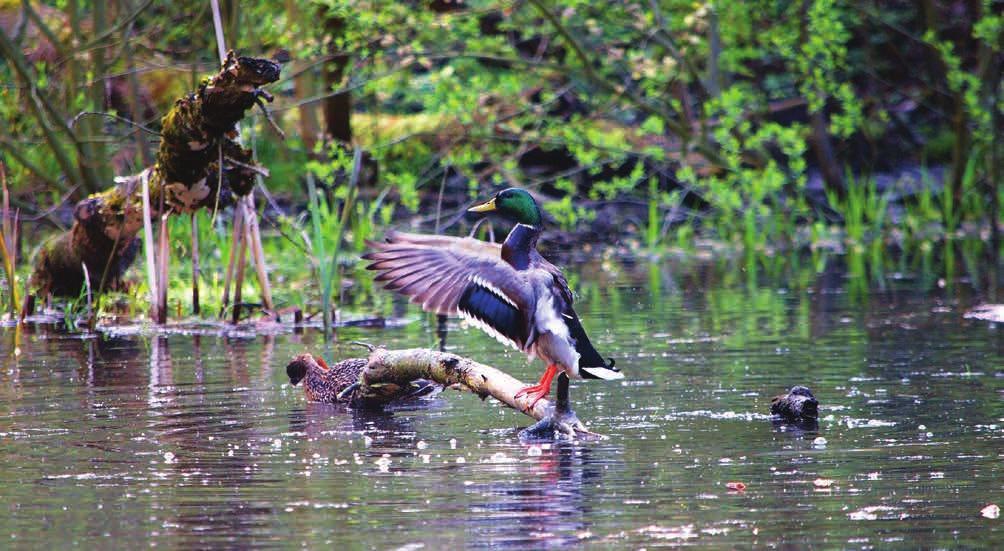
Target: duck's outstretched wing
459, 276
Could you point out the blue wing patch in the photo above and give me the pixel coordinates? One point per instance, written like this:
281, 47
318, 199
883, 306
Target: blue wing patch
498, 316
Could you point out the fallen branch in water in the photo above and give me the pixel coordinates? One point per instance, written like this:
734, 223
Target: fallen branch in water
392, 375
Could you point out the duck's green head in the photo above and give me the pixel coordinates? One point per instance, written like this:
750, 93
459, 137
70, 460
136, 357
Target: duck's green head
513, 203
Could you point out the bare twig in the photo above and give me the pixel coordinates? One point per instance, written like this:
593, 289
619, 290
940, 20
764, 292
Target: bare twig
219, 183
18, 156
221, 43
90, 302
43, 110
163, 255
110, 259
439, 198
40, 24
239, 276
17, 61
8, 241
237, 238
151, 272
116, 28
130, 122
365, 345
195, 265
269, 119
258, 170
257, 252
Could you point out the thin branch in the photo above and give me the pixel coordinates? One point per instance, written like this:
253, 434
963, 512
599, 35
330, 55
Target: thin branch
221, 44
405, 66
20, 68
151, 273
259, 170
33, 168
236, 242
665, 39
130, 122
112, 30
242, 247
39, 103
195, 265
37, 20
257, 252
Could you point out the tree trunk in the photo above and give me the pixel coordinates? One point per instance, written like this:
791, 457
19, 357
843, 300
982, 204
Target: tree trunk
954, 103
994, 175
304, 86
821, 143
337, 108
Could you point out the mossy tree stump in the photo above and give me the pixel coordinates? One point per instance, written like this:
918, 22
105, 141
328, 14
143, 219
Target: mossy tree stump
197, 133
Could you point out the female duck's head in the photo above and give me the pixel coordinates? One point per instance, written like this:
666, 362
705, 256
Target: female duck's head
515, 204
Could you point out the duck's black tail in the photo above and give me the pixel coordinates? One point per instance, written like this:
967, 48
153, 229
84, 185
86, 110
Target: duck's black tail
591, 364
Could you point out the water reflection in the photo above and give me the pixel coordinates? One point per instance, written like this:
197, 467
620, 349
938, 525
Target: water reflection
384, 431
545, 507
801, 428
198, 441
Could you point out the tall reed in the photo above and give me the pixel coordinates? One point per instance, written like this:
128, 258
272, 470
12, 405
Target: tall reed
329, 218
8, 244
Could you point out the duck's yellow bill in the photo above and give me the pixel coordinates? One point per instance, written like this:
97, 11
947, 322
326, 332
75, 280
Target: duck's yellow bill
483, 207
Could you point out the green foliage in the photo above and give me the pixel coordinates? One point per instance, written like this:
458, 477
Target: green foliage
863, 210
967, 85
817, 57
565, 211
653, 101
328, 221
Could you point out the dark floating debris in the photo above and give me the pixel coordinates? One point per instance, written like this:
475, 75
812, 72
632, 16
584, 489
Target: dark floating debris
797, 406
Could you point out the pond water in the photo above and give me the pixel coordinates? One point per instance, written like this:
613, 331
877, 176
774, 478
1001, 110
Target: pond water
197, 441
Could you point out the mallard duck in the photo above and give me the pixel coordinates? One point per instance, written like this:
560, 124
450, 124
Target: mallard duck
510, 291
337, 384
798, 404
320, 382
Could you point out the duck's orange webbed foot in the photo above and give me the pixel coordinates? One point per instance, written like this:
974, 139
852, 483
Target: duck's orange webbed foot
540, 390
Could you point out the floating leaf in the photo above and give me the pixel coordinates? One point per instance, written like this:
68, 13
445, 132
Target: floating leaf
986, 312
822, 482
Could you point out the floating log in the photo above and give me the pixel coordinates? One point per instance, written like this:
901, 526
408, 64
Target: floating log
197, 133
388, 376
